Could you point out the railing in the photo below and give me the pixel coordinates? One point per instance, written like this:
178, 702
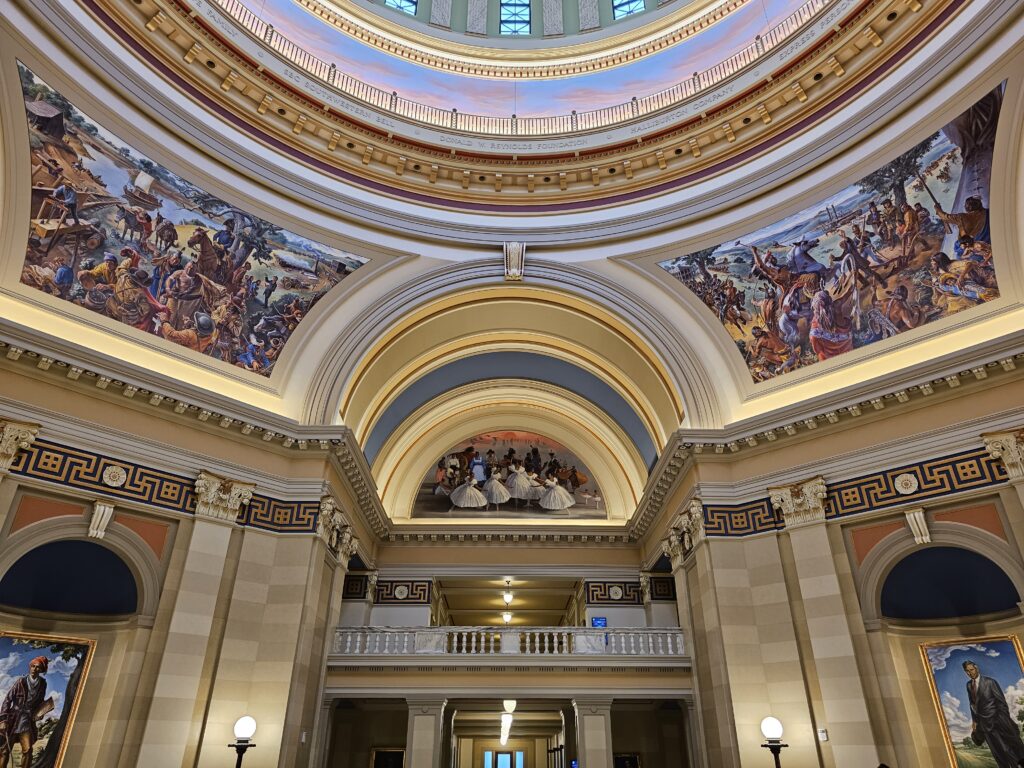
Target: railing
555, 125
503, 641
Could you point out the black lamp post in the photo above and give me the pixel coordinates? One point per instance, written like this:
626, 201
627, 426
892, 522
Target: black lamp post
245, 728
771, 729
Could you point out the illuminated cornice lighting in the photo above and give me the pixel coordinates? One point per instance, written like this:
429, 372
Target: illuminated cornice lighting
507, 617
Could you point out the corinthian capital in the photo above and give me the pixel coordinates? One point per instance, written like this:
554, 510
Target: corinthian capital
686, 532
331, 525
1008, 447
14, 436
801, 502
220, 498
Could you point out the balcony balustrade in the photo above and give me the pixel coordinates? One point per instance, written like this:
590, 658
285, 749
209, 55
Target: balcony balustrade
481, 643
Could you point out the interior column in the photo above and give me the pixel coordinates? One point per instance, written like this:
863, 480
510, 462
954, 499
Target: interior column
168, 732
594, 731
843, 700
423, 739
271, 661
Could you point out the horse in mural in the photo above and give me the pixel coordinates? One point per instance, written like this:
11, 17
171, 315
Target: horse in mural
165, 234
132, 227
208, 261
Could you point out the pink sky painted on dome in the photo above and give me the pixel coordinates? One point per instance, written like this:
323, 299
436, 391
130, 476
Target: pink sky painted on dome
525, 98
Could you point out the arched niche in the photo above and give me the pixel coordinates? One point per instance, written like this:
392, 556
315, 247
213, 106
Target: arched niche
897, 547
121, 542
70, 576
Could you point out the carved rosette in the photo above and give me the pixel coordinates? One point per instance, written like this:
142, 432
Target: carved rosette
219, 498
15, 436
1007, 447
801, 503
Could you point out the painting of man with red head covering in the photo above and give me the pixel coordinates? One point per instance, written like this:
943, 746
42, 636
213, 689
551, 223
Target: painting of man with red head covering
40, 683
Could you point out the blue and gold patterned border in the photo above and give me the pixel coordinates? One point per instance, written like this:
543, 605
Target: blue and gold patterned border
937, 477
418, 592
663, 588
83, 471
740, 519
599, 593
355, 586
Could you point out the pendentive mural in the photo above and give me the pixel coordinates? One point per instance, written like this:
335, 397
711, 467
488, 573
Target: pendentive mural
978, 689
116, 233
510, 473
41, 680
908, 244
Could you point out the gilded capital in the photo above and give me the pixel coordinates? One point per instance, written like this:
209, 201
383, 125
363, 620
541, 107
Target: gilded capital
1007, 447
15, 436
801, 502
219, 498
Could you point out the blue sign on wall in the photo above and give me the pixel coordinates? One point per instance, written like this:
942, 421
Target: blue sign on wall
599, 621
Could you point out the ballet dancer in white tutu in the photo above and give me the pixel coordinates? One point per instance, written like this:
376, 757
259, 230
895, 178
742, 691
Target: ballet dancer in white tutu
536, 488
518, 484
494, 490
468, 495
555, 496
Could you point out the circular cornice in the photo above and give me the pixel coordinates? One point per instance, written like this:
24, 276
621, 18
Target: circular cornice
504, 404
554, 59
649, 165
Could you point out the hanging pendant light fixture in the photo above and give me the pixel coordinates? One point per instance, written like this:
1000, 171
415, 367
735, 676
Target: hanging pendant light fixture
507, 595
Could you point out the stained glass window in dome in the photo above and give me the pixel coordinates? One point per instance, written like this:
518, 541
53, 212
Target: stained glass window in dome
623, 8
515, 17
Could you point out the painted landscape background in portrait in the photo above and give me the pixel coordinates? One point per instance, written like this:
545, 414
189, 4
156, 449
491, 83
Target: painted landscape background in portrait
156, 252
67, 662
873, 260
494, 449
996, 658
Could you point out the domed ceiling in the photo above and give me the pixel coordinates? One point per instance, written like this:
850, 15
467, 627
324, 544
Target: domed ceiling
254, 259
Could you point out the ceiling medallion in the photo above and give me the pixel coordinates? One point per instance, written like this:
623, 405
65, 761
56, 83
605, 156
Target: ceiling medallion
114, 476
906, 483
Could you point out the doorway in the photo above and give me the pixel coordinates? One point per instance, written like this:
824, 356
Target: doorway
511, 759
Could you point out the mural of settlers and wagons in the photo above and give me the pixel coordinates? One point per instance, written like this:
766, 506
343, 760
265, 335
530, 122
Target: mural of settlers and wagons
509, 474
118, 234
906, 245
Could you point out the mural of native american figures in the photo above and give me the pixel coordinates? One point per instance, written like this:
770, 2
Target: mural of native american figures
509, 474
906, 245
41, 681
118, 234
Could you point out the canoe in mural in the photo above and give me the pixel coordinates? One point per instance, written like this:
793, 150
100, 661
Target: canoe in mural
908, 244
116, 233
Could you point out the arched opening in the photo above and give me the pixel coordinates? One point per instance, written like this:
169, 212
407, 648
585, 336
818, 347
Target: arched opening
70, 576
946, 583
